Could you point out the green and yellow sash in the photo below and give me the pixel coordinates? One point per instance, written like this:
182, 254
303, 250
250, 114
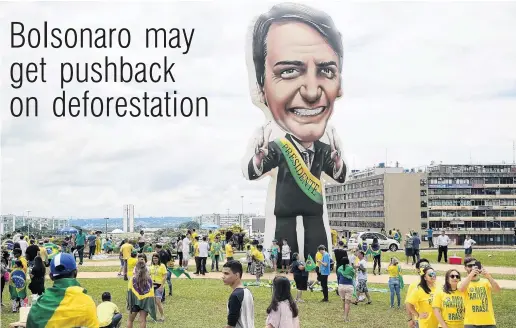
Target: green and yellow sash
306, 181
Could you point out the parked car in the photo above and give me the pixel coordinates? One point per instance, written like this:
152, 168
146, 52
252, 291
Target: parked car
386, 243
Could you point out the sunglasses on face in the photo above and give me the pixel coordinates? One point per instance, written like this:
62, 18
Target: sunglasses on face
454, 276
432, 274
470, 265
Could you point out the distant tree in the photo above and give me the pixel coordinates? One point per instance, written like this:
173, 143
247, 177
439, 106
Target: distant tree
189, 225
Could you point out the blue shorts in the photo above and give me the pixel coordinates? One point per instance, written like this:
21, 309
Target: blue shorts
158, 293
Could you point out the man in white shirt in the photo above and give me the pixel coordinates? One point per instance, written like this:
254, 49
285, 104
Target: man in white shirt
285, 256
186, 250
362, 278
23, 245
204, 248
442, 244
468, 245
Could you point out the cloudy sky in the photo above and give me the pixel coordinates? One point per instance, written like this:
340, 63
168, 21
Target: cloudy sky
422, 82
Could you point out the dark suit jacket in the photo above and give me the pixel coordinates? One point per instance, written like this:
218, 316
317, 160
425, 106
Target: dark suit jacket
290, 199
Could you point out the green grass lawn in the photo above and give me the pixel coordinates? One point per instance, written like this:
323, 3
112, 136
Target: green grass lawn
494, 258
202, 303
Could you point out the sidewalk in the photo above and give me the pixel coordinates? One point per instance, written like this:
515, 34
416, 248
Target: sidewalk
382, 279
408, 268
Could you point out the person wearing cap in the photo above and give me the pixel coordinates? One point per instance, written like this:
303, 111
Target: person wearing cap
66, 303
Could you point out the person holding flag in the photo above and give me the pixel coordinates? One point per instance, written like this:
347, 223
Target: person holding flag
66, 303
18, 286
346, 281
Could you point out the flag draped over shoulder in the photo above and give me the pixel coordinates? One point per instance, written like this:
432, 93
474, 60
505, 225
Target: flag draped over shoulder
310, 265
18, 284
143, 298
65, 304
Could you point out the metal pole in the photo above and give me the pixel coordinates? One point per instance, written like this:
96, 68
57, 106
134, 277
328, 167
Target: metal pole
106, 226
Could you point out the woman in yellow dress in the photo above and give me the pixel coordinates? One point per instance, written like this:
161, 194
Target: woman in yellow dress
98, 245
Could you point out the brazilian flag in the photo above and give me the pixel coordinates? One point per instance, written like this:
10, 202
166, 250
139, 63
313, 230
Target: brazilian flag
56, 307
179, 271
52, 250
18, 284
310, 264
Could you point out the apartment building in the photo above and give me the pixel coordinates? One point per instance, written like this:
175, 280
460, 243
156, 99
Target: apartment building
375, 199
479, 200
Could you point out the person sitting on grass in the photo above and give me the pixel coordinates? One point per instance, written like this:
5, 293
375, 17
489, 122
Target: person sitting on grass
66, 303
108, 313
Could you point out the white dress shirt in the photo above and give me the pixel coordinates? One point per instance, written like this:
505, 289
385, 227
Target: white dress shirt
443, 240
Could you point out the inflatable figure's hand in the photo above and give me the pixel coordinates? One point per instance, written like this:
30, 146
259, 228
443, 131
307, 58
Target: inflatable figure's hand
262, 143
336, 154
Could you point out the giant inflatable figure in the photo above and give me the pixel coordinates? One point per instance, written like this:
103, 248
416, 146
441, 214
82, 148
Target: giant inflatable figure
295, 75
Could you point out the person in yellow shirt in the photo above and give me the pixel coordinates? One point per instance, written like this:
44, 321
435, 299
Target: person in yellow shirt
43, 253
419, 302
229, 252
108, 313
420, 265
448, 303
478, 301
17, 256
394, 271
211, 237
195, 245
131, 263
158, 273
258, 267
194, 234
125, 250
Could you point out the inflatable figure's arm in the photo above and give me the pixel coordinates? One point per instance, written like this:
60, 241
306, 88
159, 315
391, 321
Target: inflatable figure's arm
334, 165
262, 156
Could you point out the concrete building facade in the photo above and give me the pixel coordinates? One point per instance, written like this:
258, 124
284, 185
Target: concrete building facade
479, 200
375, 199
128, 218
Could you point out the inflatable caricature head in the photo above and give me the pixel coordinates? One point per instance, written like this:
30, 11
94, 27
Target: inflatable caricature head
297, 55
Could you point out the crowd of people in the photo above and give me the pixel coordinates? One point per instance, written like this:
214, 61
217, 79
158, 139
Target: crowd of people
460, 302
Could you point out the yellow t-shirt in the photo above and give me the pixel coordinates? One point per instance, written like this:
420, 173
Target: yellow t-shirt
196, 248
195, 234
451, 306
131, 263
211, 237
318, 257
479, 304
24, 263
393, 271
423, 303
43, 253
258, 255
126, 250
105, 313
158, 273
229, 250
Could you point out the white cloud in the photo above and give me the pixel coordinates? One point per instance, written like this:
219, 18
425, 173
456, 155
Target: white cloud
426, 81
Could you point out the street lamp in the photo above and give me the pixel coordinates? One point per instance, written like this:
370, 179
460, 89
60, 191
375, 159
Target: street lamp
28, 221
242, 216
106, 225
